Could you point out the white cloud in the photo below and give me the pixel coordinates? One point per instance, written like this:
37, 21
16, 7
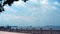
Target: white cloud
10, 10
55, 3
54, 8
44, 2
34, 1
19, 3
8, 17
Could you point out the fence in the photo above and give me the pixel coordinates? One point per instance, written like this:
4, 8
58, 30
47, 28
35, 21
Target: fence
32, 31
50, 31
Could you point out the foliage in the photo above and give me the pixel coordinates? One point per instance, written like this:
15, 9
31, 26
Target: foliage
9, 2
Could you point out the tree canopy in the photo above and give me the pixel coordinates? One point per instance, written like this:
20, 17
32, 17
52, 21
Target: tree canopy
9, 2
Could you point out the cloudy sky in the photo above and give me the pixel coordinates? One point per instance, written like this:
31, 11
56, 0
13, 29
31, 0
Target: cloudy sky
33, 12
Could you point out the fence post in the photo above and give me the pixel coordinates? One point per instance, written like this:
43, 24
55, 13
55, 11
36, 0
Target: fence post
26, 30
32, 30
20, 29
41, 30
50, 31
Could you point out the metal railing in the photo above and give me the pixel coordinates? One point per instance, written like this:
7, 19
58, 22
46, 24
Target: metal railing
32, 31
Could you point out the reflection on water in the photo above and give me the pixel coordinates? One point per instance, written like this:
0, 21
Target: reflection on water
3, 32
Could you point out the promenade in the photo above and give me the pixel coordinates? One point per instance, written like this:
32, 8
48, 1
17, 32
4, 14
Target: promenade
4, 32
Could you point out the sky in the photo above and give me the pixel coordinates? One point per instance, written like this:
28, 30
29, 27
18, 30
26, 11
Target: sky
33, 12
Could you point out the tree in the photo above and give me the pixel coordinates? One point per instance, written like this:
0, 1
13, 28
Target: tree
1, 8
24, 0
9, 2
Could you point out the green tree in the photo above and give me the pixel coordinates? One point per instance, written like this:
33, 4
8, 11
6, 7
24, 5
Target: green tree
9, 2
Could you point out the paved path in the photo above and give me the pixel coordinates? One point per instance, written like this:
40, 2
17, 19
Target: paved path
3, 32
